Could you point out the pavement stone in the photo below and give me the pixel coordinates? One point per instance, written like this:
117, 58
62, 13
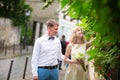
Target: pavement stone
18, 65
29, 76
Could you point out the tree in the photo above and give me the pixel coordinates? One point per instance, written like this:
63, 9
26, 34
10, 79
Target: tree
14, 10
100, 19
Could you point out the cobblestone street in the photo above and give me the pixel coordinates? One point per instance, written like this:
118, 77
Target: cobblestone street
19, 59
18, 68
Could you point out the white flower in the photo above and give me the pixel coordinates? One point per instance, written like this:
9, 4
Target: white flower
81, 57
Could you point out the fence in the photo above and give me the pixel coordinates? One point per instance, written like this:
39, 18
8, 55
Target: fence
9, 51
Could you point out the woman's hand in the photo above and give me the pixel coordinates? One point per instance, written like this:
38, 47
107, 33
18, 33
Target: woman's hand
80, 61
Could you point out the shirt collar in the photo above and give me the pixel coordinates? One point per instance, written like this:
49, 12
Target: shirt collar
47, 36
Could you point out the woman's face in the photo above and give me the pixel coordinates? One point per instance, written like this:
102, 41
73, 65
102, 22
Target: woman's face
79, 33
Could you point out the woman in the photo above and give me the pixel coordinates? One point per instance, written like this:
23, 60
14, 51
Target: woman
77, 45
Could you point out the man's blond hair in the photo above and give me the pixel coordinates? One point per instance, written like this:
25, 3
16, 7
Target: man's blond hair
51, 23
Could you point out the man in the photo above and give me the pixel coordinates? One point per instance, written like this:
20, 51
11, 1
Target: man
47, 50
63, 45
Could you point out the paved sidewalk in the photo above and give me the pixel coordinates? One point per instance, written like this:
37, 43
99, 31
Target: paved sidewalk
18, 68
29, 76
19, 58
18, 65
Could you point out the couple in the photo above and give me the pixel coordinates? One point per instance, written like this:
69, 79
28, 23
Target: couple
47, 51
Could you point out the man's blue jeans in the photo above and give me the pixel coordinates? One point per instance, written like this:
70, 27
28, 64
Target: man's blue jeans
48, 74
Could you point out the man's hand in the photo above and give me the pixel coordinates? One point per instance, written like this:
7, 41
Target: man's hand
35, 78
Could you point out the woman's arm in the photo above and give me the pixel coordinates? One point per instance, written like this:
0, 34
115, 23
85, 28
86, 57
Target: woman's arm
67, 54
90, 42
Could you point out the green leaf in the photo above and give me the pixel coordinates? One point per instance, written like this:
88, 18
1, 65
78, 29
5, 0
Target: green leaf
63, 3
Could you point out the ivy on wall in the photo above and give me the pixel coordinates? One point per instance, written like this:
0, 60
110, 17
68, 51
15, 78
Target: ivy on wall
15, 10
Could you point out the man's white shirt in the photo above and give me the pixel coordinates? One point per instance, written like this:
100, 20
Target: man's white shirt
45, 53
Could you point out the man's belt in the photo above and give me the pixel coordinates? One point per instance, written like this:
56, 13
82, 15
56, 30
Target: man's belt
48, 67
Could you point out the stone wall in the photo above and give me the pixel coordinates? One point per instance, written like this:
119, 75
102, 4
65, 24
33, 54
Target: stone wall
38, 14
9, 33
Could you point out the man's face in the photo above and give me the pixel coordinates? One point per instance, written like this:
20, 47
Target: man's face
53, 30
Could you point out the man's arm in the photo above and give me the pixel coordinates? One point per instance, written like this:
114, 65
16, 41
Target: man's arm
34, 60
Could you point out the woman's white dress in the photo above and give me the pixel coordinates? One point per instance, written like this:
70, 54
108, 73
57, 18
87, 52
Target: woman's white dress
75, 71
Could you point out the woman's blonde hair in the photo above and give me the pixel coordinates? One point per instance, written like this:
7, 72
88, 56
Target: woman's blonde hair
74, 36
